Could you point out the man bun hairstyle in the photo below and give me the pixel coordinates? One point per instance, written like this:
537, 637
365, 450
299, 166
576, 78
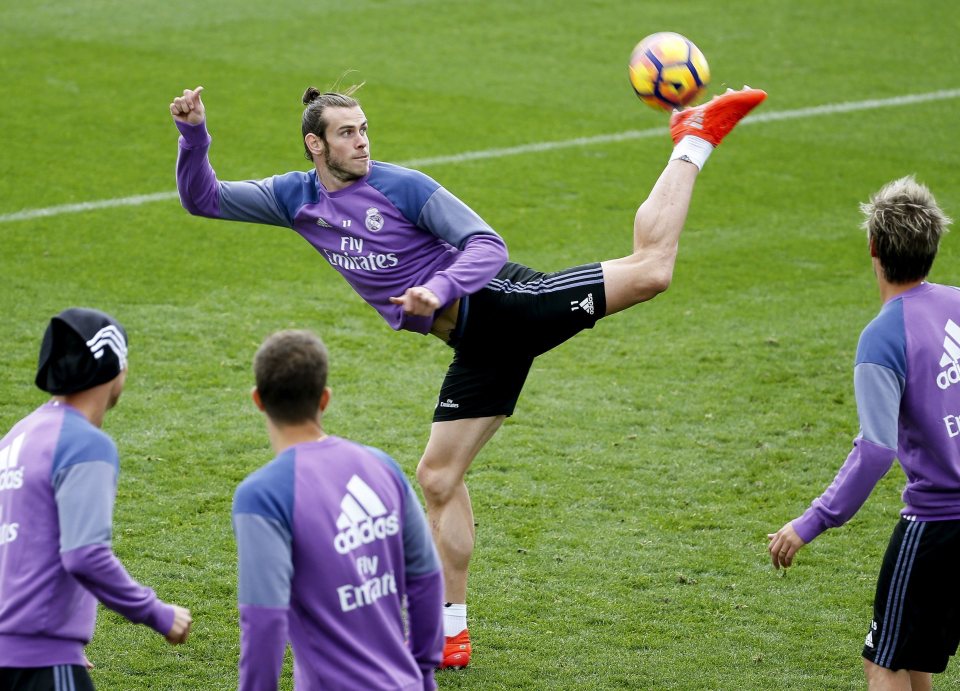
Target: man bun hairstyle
316, 103
904, 226
290, 369
310, 95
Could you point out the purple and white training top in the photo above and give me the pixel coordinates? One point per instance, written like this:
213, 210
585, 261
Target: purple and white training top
335, 555
58, 481
907, 383
393, 229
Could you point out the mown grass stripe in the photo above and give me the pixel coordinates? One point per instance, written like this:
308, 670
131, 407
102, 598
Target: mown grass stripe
536, 147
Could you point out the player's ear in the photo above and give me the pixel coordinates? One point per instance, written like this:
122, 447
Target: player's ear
873, 248
314, 144
325, 398
255, 395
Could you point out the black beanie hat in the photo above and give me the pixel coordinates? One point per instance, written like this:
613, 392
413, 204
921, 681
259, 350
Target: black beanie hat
82, 348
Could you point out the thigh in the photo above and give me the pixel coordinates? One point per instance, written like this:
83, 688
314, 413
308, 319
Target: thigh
454, 444
530, 312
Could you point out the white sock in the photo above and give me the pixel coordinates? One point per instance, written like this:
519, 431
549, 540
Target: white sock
454, 619
692, 149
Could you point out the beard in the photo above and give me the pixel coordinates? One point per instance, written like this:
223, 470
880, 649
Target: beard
344, 170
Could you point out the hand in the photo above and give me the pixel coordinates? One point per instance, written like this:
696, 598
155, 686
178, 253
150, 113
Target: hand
86, 662
783, 545
418, 301
188, 108
181, 626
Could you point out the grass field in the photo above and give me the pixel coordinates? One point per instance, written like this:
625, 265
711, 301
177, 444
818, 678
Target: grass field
622, 512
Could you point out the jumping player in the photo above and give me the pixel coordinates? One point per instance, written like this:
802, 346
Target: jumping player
58, 480
907, 384
334, 549
427, 263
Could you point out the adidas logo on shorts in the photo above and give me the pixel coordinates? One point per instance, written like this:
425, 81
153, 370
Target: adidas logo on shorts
586, 304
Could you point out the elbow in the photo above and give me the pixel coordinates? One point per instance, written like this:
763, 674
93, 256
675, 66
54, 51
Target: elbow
189, 206
76, 562
196, 207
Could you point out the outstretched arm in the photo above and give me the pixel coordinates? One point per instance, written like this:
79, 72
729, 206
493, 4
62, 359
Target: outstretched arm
201, 193
196, 181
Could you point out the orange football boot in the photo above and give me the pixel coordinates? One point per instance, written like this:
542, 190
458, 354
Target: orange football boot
456, 651
714, 119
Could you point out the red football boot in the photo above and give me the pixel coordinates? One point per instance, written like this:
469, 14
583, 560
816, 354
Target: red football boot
456, 651
714, 119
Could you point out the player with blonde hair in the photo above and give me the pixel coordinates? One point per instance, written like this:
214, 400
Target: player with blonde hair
907, 385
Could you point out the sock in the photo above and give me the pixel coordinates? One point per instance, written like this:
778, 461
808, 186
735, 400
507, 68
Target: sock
454, 619
693, 149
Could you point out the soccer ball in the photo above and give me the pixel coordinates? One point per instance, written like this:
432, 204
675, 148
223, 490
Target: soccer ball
667, 71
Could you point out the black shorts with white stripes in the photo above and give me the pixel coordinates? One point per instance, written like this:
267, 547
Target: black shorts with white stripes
519, 315
916, 611
56, 678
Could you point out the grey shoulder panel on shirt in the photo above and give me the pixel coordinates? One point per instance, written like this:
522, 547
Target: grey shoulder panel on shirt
251, 201
85, 493
451, 220
265, 552
878, 390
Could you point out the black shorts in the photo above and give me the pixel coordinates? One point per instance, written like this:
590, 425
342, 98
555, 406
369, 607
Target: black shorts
58, 678
916, 612
500, 329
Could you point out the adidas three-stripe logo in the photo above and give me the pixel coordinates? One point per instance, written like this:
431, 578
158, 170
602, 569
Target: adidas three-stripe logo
550, 284
363, 518
109, 337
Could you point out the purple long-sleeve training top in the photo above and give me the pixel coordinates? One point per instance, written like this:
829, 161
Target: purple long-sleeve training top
58, 481
393, 229
907, 384
335, 555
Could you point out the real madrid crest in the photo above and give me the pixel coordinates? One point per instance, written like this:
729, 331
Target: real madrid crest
374, 220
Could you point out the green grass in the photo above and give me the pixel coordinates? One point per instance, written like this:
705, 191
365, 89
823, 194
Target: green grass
623, 511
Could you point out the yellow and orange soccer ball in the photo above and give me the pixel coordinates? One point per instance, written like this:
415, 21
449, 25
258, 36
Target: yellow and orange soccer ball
668, 71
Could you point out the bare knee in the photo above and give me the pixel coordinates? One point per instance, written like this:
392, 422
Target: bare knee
883, 679
652, 276
437, 482
659, 278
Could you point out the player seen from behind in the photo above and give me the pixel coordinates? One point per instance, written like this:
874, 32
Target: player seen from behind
907, 385
334, 550
58, 481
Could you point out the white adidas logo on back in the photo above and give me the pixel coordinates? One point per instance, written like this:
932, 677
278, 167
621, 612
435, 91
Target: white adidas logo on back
363, 518
11, 476
951, 356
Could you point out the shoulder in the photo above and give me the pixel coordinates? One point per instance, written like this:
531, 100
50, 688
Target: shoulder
381, 173
374, 462
296, 188
406, 188
387, 462
883, 341
82, 442
268, 491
